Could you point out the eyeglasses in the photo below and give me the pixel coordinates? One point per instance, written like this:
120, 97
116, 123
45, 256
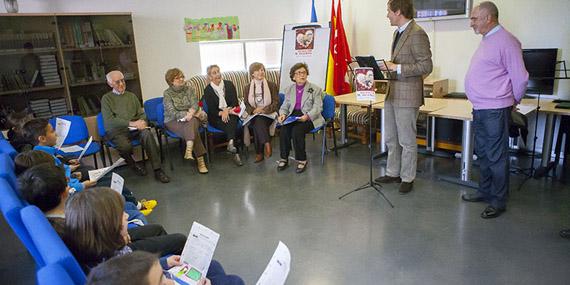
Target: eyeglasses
119, 81
300, 72
179, 78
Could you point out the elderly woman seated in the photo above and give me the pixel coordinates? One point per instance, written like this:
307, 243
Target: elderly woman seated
183, 117
299, 114
261, 100
221, 98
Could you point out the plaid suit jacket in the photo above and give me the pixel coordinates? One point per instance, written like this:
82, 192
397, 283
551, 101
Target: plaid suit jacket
414, 54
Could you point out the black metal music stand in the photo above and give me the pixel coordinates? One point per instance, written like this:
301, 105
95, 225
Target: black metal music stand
371, 183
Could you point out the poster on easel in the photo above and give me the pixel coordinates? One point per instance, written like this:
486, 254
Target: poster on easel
308, 43
364, 83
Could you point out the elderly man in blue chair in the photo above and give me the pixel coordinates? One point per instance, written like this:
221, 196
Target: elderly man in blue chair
126, 121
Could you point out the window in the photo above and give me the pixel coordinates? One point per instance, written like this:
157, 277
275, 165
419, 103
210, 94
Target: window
239, 54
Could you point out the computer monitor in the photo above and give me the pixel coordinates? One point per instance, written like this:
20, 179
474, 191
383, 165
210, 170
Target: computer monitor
370, 61
540, 64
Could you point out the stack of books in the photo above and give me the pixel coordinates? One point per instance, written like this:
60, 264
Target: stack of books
41, 108
58, 107
48, 66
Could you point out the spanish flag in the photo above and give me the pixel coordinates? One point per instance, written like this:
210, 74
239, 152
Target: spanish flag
339, 55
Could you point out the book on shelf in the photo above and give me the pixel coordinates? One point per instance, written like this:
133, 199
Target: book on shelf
77, 34
40, 108
16, 41
48, 68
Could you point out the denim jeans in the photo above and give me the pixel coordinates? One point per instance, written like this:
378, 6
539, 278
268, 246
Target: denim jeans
492, 150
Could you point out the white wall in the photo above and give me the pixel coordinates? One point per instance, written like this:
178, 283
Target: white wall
161, 44
158, 26
537, 24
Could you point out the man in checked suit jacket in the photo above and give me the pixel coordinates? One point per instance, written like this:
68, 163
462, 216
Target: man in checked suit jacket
411, 62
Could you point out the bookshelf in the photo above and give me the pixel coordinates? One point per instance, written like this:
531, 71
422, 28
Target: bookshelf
55, 64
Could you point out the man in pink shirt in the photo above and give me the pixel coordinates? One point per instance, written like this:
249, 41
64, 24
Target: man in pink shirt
495, 82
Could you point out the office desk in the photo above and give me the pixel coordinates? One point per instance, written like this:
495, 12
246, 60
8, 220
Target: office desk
458, 109
549, 108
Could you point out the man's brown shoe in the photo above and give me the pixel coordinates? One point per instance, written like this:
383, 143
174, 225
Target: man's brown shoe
388, 179
406, 187
258, 157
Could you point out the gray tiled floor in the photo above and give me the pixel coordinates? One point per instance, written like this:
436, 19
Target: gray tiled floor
430, 237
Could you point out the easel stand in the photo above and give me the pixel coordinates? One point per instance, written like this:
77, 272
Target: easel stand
370, 184
546, 166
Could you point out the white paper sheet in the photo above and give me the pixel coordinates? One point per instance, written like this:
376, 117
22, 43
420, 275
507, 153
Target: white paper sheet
278, 268
61, 130
196, 256
249, 118
71, 148
117, 183
85, 148
135, 128
95, 175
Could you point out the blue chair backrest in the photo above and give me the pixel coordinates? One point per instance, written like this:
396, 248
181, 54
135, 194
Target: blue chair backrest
53, 274
328, 107
11, 204
49, 244
204, 105
77, 132
150, 108
6, 147
160, 114
101, 126
7, 170
281, 99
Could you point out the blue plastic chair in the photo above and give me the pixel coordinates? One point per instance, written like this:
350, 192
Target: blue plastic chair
79, 135
211, 129
6, 147
328, 115
53, 274
11, 205
49, 244
108, 143
7, 170
151, 116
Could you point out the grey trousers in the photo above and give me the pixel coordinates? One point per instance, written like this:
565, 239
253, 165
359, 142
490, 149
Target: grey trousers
401, 141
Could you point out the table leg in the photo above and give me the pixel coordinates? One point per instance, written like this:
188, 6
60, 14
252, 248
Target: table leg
466, 151
547, 141
343, 131
383, 148
430, 134
466, 159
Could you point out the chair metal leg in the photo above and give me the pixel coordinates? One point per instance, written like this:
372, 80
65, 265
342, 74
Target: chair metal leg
159, 136
95, 160
103, 155
109, 155
334, 139
143, 155
207, 145
323, 147
168, 152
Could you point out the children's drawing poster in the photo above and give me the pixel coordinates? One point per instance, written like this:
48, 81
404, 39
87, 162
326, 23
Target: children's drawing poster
211, 29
